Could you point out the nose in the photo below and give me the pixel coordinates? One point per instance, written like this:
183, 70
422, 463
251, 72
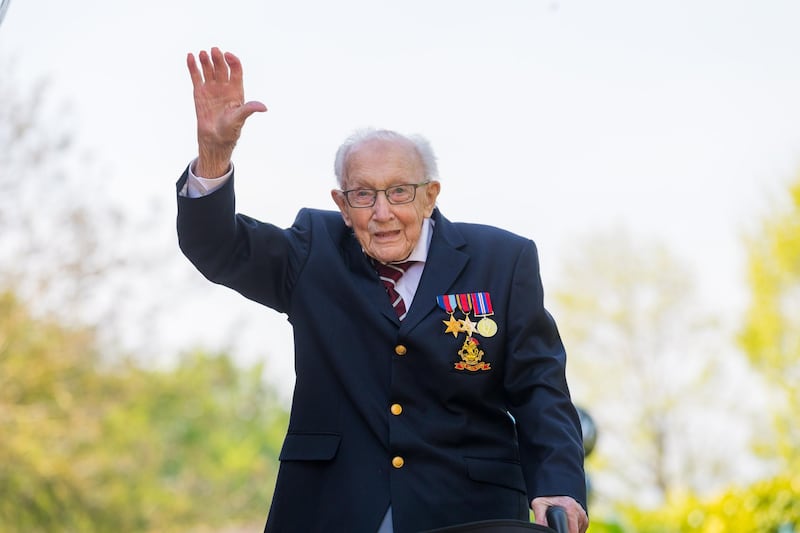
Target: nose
382, 210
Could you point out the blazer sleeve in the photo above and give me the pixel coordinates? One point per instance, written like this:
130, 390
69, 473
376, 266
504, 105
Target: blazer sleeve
256, 259
548, 426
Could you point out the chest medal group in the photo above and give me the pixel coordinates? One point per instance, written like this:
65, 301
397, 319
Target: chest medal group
480, 305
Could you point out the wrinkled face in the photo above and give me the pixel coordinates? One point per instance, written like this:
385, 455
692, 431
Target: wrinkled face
386, 232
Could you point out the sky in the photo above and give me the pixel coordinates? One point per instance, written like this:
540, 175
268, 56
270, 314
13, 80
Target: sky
678, 120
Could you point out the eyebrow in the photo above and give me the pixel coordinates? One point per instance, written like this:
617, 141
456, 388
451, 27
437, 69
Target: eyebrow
359, 184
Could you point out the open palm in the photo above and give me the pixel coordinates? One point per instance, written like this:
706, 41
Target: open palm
220, 108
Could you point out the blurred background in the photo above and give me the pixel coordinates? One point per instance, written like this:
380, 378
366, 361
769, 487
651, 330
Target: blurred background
651, 149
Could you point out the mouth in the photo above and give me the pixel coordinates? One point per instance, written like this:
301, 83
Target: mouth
386, 235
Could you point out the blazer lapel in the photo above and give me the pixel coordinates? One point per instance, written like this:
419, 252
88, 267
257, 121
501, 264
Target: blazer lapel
366, 278
444, 264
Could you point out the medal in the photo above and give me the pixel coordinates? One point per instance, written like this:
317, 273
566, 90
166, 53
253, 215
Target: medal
465, 304
453, 326
471, 355
482, 304
448, 303
487, 327
467, 326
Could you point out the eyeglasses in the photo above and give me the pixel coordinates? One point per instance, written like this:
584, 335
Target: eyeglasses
395, 195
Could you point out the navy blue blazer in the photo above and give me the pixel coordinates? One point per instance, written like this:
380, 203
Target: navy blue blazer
394, 412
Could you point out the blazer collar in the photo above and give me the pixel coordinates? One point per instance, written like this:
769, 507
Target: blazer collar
445, 262
442, 267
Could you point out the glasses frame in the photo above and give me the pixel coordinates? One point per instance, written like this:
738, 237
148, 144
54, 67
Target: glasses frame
385, 192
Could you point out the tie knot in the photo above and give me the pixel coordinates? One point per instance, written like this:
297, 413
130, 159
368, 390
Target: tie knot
389, 275
392, 271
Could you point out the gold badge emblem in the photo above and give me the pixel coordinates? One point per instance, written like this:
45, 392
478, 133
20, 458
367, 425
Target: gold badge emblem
471, 356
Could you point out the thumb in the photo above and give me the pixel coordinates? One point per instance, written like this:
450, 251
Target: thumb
251, 107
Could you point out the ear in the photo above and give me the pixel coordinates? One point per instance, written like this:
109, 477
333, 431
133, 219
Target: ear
431, 194
341, 203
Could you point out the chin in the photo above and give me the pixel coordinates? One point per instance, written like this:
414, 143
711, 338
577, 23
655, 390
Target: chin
387, 256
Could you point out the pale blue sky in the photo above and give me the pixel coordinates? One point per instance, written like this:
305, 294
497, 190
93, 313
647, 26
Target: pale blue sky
677, 119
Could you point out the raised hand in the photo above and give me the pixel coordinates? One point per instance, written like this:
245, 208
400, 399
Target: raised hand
220, 107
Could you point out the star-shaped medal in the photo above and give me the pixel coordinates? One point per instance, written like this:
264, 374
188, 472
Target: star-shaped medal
453, 326
468, 326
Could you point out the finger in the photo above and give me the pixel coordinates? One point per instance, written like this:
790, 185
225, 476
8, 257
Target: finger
194, 72
235, 67
208, 68
577, 519
572, 523
539, 512
220, 66
583, 523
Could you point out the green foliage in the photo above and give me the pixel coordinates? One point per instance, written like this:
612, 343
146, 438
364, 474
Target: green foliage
643, 356
771, 340
597, 526
771, 337
89, 446
766, 506
771, 334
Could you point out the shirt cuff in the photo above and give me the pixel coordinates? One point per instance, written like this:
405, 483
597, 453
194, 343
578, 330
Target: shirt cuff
197, 187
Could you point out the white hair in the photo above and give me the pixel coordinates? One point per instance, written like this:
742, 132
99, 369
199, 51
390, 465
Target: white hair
421, 145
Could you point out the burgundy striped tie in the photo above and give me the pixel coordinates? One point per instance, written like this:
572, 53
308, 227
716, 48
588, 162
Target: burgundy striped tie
389, 275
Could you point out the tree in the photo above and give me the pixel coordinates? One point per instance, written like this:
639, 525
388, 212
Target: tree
90, 445
66, 246
642, 359
91, 440
767, 505
49, 245
771, 332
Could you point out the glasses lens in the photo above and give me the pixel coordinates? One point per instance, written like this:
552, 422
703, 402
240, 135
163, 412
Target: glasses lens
361, 197
401, 194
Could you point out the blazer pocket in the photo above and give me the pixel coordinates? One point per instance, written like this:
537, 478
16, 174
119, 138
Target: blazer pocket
310, 447
497, 472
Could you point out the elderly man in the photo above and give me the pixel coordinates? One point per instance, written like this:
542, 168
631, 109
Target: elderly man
430, 386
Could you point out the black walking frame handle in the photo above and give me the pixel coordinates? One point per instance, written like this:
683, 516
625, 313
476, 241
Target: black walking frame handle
555, 515
557, 518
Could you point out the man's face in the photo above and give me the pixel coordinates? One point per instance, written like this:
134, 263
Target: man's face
386, 232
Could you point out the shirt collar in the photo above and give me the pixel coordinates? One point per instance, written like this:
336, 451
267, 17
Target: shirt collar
420, 251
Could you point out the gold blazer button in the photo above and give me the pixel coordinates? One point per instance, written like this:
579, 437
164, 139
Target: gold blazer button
398, 462
396, 409
400, 349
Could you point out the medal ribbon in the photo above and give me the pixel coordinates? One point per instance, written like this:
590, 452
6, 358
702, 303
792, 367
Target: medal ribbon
464, 303
447, 302
482, 303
